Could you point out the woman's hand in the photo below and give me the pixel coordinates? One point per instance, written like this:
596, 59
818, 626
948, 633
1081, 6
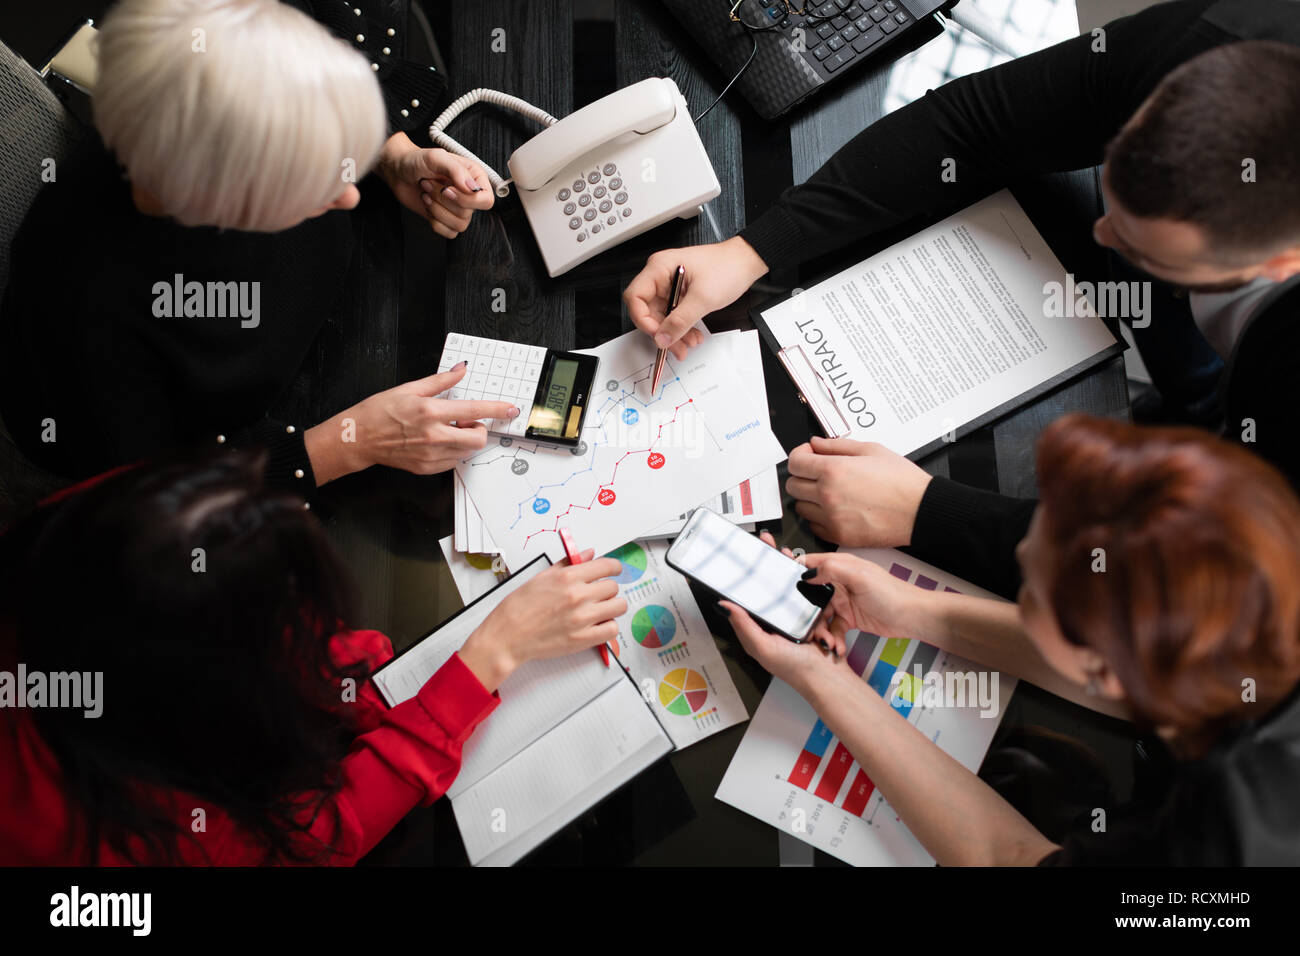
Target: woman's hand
406, 427
791, 661
869, 598
444, 188
564, 609
716, 276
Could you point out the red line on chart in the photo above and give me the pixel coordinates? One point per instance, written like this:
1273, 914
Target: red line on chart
600, 488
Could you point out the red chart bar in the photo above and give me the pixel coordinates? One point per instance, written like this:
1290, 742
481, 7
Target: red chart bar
835, 773
859, 793
746, 498
804, 768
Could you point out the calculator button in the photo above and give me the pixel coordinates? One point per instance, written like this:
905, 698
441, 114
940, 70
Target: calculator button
579, 185
593, 177
598, 192
616, 183
453, 341
610, 169
570, 209
584, 201
494, 384
575, 223
620, 198
518, 352
510, 388
515, 369
589, 215
533, 372
518, 426
605, 205
477, 381
480, 363
562, 195
499, 366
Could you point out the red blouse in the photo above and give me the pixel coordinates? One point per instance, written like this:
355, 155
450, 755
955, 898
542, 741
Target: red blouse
403, 757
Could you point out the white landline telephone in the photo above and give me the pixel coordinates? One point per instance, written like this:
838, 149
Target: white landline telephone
608, 172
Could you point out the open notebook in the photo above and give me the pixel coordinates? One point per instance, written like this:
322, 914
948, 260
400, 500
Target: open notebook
569, 731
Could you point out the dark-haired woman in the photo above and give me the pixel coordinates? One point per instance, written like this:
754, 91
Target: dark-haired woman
236, 724
1192, 629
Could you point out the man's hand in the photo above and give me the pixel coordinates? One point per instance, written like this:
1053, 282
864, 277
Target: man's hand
857, 494
716, 276
440, 186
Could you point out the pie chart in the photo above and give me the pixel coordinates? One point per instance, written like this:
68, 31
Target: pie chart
654, 626
683, 691
632, 558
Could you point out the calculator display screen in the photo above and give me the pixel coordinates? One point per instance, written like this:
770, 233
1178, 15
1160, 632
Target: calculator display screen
549, 419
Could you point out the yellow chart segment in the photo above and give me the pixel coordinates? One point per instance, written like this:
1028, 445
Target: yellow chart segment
683, 691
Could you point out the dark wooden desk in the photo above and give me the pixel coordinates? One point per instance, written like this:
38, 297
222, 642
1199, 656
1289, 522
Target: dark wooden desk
561, 54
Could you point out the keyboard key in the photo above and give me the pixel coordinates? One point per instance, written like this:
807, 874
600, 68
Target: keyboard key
863, 23
838, 60
900, 17
853, 12
878, 13
868, 38
834, 43
890, 5
826, 10
822, 52
826, 31
848, 34
889, 26
840, 22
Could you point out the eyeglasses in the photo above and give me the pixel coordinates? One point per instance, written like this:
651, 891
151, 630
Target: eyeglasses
757, 16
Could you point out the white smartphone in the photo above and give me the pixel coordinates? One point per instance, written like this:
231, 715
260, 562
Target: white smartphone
738, 566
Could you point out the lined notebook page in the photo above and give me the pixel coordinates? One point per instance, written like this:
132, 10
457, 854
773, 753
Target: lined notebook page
564, 772
535, 698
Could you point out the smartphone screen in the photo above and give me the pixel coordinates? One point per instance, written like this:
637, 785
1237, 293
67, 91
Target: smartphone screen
741, 568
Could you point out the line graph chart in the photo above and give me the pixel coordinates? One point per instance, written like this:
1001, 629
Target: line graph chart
639, 453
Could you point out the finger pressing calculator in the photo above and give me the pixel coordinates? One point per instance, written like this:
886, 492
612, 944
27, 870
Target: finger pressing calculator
550, 388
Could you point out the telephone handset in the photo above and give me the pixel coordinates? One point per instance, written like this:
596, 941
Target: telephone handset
605, 173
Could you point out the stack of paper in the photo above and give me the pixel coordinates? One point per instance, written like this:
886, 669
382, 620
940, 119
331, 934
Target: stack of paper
645, 460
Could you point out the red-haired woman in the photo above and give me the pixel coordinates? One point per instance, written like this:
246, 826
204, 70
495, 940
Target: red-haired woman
1192, 630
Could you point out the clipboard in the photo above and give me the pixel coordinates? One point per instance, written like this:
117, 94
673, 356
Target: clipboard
814, 392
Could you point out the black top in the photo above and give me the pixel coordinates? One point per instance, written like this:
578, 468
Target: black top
103, 365
1236, 806
1051, 111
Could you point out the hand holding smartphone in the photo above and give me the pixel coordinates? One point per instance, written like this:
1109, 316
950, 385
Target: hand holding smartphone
739, 567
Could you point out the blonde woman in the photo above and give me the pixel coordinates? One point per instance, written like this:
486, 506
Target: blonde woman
203, 239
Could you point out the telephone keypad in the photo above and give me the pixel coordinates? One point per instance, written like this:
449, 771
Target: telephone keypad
594, 192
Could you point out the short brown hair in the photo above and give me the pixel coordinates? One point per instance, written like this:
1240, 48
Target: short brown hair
1182, 155
1201, 581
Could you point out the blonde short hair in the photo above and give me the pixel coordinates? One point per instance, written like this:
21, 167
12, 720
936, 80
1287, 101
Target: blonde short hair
242, 114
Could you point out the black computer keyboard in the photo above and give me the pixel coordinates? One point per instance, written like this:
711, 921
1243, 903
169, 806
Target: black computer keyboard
837, 32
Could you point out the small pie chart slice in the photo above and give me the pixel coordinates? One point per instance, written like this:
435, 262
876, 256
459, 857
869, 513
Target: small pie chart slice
633, 560
683, 691
654, 626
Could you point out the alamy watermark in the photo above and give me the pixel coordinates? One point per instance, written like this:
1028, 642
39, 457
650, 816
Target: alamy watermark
77, 690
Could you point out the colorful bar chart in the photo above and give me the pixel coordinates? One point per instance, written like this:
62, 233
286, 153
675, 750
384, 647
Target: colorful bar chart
898, 674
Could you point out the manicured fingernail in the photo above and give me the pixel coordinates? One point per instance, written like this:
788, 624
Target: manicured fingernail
460, 365
449, 193
471, 185
724, 611
808, 575
662, 340
513, 413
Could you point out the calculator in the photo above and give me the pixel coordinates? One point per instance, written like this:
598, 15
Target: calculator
550, 388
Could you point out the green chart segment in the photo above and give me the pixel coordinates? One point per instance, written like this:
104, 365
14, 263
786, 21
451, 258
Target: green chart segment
654, 626
632, 557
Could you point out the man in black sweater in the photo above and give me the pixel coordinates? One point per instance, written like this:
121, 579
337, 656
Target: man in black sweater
1194, 107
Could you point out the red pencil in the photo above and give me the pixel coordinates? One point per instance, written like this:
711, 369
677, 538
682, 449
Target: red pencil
575, 557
